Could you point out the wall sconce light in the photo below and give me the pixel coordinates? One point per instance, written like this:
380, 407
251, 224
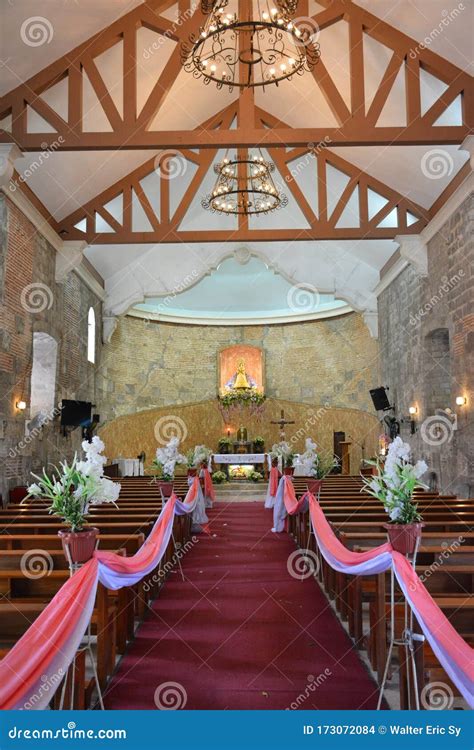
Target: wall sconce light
461, 400
21, 405
412, 410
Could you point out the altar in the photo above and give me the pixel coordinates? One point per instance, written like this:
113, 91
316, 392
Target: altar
233, 461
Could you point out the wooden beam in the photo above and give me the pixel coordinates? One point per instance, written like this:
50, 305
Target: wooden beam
418, 135
357, 124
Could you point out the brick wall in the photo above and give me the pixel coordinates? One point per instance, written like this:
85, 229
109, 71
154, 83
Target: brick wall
30, 301
427, 350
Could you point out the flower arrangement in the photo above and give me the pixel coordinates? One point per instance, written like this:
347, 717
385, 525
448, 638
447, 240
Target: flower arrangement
255, 476
258, 443
219, 477
395, 483
73, 487
202, 455
164, 465
317, 465
284, 450
235, 400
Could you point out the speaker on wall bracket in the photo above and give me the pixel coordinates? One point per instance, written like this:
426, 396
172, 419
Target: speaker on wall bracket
380, 399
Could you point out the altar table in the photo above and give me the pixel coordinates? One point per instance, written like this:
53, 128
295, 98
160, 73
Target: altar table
129, 467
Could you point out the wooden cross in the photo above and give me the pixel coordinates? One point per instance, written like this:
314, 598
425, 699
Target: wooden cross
282, 422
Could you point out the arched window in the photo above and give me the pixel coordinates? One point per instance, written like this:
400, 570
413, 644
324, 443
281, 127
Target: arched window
437, 371
43, 374
91, 335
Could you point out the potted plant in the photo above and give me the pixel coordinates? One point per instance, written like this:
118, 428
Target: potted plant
394, 485
219, 477
224, 445
283, 449
258, 444
72, 488
202, 456
316, 465
164, 465
192, 470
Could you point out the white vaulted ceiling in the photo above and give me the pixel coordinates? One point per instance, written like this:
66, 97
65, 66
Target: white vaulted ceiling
67, 180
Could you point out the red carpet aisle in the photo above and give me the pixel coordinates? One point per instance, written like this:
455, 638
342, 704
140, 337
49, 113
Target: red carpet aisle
241, 633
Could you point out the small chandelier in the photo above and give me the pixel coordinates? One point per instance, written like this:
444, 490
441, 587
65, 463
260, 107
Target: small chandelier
244, 185
249, 52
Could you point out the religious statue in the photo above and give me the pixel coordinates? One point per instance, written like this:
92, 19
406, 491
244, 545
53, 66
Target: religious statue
240, 380
242, 434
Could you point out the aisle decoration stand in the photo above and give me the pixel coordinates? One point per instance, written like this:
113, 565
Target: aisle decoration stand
49, 645
453, 653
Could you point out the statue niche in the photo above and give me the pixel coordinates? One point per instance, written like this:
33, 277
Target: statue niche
240, 368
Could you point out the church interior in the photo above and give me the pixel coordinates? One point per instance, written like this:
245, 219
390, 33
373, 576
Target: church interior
236, 355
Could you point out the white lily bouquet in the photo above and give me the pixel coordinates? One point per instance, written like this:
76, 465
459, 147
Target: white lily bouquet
314, 464
395, 483
166, 459
283, 450
200, 455
73, 487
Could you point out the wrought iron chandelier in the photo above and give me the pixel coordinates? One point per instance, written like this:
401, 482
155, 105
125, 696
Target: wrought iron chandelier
244, 185
248, 52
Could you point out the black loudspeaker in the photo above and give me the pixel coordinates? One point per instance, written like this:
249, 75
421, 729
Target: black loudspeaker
379, 399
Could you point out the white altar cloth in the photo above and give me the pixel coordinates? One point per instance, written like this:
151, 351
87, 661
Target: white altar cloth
129, 467
239, 458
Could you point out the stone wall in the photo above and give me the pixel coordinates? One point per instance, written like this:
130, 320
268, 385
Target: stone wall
170, 371
31, 301
149, 364
426, 327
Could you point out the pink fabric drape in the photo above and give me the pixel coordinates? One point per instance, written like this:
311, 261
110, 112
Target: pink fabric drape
208, 486
274, 479
454, 654
145, 555
47, 640
293, 505
50, 643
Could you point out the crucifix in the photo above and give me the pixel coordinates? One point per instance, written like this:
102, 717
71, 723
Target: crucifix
282, 422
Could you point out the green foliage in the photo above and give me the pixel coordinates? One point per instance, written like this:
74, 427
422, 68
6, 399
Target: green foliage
69, 492
158, 472
255, 476
219, 477
323, 465
223, 441
250, 397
